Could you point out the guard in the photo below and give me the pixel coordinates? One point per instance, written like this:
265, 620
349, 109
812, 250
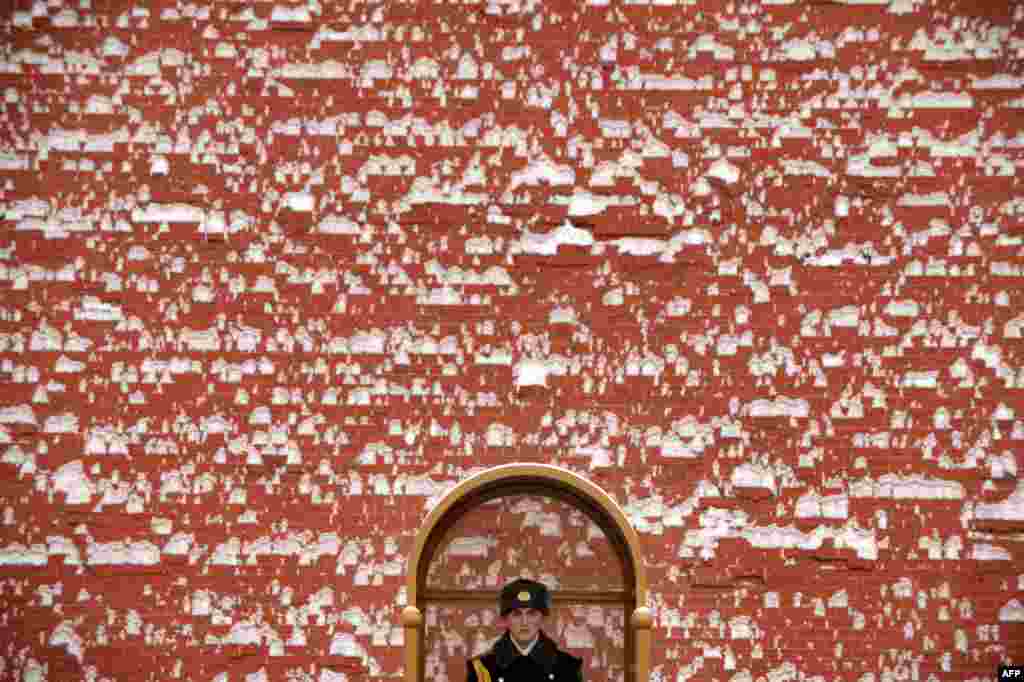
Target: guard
524, 653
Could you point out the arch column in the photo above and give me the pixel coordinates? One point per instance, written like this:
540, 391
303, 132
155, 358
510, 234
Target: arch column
539, 479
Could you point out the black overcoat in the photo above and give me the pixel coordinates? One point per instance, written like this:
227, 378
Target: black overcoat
545, 663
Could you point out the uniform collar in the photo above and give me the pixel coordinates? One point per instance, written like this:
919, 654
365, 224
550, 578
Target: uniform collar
543, 651
525, 650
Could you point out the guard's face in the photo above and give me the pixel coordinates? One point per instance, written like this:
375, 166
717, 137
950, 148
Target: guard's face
524, 624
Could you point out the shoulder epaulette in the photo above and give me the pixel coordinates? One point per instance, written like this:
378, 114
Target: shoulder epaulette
482, 674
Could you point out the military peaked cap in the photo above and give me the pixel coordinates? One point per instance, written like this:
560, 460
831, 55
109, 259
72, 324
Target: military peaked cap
525, 594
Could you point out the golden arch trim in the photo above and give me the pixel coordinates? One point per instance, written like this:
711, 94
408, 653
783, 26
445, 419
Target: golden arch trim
538, 478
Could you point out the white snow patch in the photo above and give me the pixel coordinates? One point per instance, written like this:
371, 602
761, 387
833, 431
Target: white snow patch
168, 213
20, 555
61, 423
725, 171
1013, 612
930, 199
938, 100
798, 49
91, 308
9, 161
345, 644
719, 523
846, 316
17, 414
585, 203
914, 487
72, 480
335, 224
142, 553
1003, 466
477, 546
812, 505
779, 407
200, 340
904, 308
543, 170
531, 372
299, 201
179, 544
112, 47
999, 81
985, 552
290, 13
750, 475
639, 246
65, 635
327, 70
547, 244
926, 379
1010, 509
371, 342
655, 81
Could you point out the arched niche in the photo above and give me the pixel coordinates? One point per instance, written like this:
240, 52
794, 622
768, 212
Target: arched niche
533, 479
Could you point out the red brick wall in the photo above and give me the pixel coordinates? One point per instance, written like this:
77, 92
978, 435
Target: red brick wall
275, 276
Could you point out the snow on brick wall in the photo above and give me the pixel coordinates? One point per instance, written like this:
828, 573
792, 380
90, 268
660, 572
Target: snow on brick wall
276, 275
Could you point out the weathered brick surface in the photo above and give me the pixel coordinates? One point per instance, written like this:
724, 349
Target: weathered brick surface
276, 275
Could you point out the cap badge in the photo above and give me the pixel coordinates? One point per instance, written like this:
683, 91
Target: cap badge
523, 596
